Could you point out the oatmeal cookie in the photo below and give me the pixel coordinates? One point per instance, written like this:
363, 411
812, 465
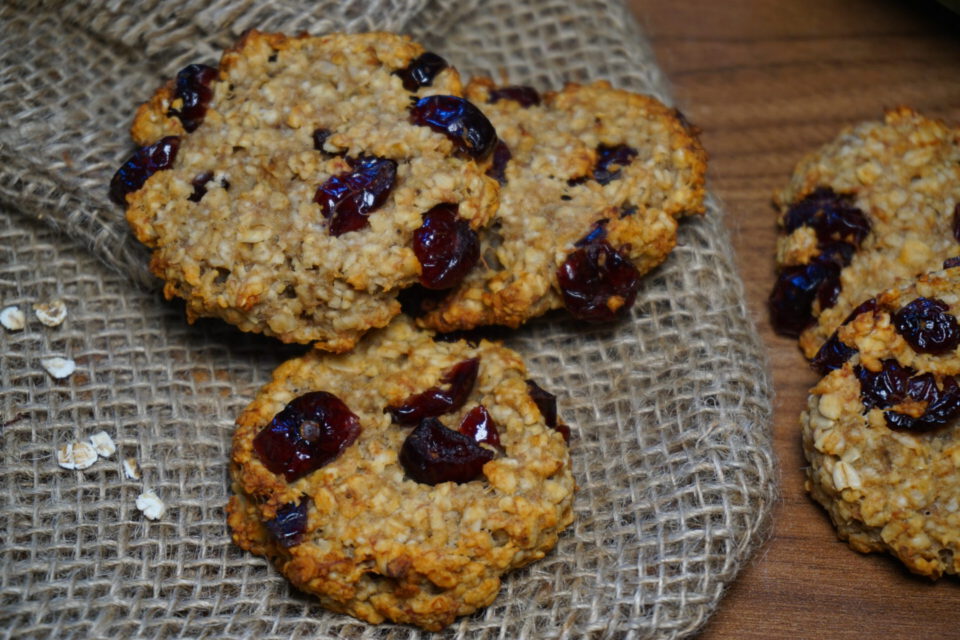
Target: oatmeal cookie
400, 481
881, 428
593, 179
871, 210
283, 191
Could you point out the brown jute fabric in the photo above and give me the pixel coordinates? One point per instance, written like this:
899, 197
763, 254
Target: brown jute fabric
670, 409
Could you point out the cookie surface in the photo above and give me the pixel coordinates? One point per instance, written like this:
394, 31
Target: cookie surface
374, 542
585, 160
872, 209
881, 429
239, 225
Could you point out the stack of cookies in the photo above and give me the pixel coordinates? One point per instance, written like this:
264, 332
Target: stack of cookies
311, 189
869, 283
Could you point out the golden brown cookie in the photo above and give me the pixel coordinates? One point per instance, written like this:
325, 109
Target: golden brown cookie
284, 190
592, 181
400, 481
871, 210
881, 429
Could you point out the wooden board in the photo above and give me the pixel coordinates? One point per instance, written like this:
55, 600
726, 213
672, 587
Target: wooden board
767, 81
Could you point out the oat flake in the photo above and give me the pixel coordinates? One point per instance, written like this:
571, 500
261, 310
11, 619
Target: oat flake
59, 367
52, 314
103, 444
151, 505
76, 455
131, 468
12, 318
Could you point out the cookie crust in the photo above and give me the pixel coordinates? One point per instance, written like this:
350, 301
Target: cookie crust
542, 215
380, 546
255, 249
885, 489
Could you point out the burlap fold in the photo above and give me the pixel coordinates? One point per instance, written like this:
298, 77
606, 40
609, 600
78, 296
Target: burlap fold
670, 409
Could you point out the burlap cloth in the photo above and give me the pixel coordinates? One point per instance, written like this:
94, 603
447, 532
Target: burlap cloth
671, 410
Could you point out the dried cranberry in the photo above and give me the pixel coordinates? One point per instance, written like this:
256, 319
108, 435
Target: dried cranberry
886, 387
956, 222
200, 186
791, 301
865, 306
193, 88
831, 355
545, 401
523, 95
831, 215
320, 138
459, 120
501, 156
628, 210
421, 71
446, 247
144, 162
436, 401
943, 407
950, 263
479, 425
597, 282
311, 431
348, 198
290, 523
617, 156
432, 454
927, 326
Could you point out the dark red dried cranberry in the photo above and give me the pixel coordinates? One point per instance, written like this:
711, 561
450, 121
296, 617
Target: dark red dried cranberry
320, 138
545, 401
943, 407
616, 156
524, 95
144, 162
886, 387
628, 209
501, 156
193, 87
348, 198
432, 454
597, 282
459, 120
421, 71
831, 355
446, 247
479, 425
200, 185
791, 301
956, 222
436, 401
311, 431
927, 326
950, 263
831, 215
865, 306
290, 523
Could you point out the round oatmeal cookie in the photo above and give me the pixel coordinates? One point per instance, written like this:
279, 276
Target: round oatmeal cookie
283, 190
871, 210
881, 428
592, 181
400, 481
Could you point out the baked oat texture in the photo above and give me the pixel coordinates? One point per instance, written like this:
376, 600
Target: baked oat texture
884, 489
904, 175
380, 546
255, 250
541, 215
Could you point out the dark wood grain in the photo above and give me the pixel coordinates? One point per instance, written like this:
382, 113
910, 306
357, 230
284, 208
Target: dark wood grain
768, 81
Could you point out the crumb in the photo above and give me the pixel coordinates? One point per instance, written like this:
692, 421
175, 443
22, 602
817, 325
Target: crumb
103, 444
59, 367
151, 505
131, 468
12, 318
51, 314
76, 455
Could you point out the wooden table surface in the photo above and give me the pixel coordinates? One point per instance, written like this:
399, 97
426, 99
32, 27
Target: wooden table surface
767, 81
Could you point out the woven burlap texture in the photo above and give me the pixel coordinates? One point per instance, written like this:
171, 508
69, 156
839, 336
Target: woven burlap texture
670, 409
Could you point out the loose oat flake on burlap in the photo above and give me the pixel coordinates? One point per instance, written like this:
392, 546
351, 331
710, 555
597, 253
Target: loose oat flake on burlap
671, 408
